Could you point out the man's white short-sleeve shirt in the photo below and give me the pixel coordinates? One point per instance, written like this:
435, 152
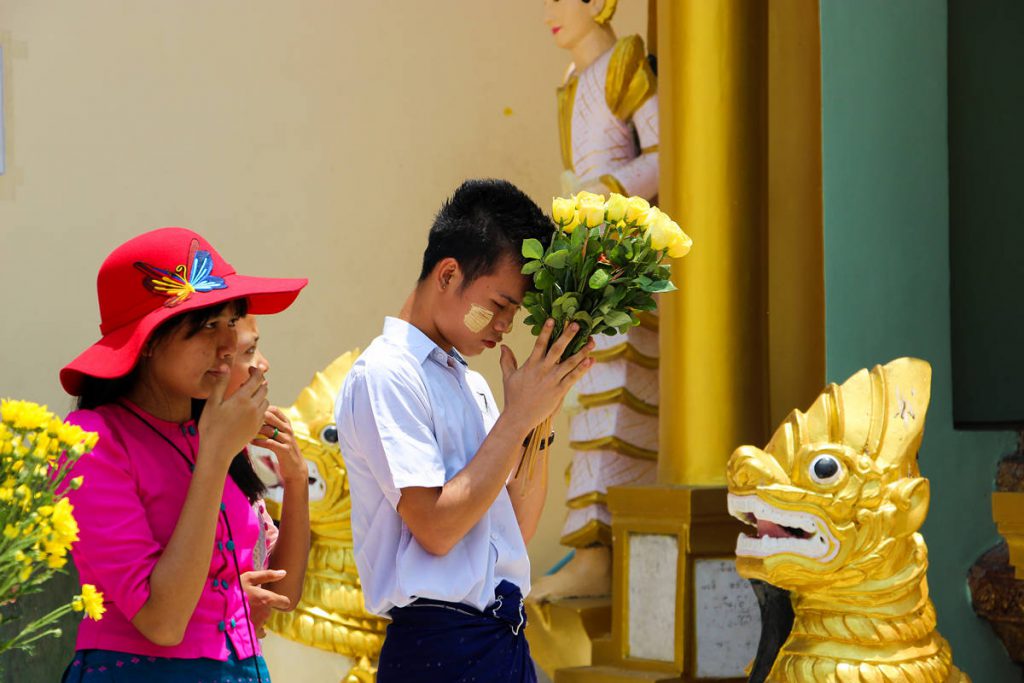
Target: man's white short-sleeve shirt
410, 414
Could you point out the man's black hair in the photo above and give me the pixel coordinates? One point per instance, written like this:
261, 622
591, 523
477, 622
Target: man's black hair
483, 222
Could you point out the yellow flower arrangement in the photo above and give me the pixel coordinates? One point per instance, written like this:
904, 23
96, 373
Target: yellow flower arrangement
605, 262
600, 276
38, 526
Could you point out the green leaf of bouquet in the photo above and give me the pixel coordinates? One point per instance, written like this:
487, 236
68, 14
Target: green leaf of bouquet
599, 279
532, 267
646, 304
617, 318
556, 259
618, 255
533, 249
577, 239
543, 279
583, 317
661, 286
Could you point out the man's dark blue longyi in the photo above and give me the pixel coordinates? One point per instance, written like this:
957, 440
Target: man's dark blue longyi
431, 641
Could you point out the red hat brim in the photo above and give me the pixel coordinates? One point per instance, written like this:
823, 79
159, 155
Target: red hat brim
116, 353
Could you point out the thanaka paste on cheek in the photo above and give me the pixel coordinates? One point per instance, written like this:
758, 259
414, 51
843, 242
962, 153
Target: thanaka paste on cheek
478, 318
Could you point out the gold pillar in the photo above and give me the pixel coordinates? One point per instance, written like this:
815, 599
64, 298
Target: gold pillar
796, 271
743, 339
712, 97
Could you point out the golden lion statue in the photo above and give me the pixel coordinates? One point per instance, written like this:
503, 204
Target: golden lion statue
331, 615
835, 501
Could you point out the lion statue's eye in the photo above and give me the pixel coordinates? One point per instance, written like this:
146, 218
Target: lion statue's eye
329, 434
825, 470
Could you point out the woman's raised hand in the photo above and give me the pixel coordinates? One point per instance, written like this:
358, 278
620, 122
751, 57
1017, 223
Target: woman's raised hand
228, 424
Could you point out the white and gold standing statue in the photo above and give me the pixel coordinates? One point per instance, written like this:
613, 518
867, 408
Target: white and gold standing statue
329, 636
835, 502
608, 126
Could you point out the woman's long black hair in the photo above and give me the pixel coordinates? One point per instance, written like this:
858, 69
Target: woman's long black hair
97, 391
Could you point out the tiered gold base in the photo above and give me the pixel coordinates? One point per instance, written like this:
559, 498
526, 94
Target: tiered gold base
561, 632
698, 519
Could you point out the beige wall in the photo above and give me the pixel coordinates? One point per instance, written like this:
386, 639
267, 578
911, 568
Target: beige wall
304, 138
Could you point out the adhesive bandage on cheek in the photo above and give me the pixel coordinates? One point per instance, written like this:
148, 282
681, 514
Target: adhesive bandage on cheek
478, 318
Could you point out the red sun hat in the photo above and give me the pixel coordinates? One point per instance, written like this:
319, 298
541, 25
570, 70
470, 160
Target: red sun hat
153, 277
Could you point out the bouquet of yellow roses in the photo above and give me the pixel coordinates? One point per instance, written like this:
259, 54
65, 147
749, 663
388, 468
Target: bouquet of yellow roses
36, 523
605, 262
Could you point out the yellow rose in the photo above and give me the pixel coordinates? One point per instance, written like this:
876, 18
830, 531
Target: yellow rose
590, 209
615, 207
591, 215
659, 229
635, 208
681, 243
563, 210
648, 218
575, 223
583, 197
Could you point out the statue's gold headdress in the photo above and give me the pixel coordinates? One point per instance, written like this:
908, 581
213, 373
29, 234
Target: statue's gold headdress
878, 413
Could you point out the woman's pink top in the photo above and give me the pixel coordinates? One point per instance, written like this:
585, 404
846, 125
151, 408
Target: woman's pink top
133, 491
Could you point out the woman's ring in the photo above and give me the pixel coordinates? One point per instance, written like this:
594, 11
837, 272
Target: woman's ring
276, 432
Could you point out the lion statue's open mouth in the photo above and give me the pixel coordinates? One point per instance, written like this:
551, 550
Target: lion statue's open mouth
775, 531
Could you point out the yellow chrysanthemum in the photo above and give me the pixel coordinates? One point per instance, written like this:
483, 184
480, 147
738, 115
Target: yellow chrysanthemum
65, 528
24, 414
11, 531
91, 601
41, 447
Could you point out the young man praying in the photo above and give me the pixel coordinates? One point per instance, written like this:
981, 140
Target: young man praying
440, 520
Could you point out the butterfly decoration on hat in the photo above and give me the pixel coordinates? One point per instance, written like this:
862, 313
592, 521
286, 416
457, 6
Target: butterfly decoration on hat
194, 276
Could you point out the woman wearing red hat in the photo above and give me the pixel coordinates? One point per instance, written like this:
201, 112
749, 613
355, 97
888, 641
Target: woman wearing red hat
166, 524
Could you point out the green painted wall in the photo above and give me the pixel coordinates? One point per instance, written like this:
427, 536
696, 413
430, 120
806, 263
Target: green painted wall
986, 154
885, 183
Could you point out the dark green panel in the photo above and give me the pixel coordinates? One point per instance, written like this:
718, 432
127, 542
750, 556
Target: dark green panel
887, 283
986, 182
51, 655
